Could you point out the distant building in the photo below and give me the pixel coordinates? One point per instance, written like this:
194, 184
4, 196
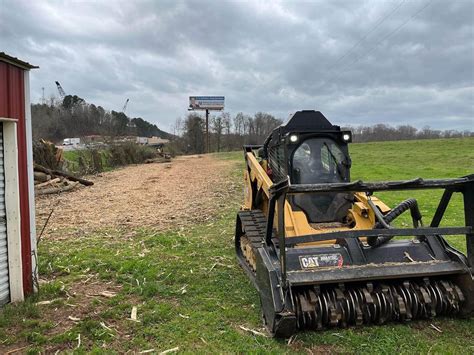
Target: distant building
157, 141
17, 200
71, 141
142, 140
94, 138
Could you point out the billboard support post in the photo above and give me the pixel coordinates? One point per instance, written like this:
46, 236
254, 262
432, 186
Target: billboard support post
207, 132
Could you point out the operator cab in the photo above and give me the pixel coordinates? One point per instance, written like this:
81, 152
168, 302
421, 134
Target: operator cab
318, 160
308, 149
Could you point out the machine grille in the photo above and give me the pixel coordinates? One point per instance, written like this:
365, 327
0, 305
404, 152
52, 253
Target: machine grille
276, 157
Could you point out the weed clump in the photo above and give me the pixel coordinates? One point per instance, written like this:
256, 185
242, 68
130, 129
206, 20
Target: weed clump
95, 160
128, 153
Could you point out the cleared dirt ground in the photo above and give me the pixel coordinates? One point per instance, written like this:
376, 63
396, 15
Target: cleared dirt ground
161, 196
157, 196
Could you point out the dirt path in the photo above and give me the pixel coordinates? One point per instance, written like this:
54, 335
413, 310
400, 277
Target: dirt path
162, 196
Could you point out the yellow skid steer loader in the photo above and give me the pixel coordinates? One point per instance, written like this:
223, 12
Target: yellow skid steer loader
320, 248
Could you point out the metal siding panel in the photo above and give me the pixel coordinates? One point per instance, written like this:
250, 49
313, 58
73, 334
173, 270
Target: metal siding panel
4, 280
12, 105
16, 109
3, 89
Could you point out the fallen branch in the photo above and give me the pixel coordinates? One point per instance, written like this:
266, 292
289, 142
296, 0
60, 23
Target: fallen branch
62, 173
212, 267
103, 325
436, 328
50, 182
41, 303
254, 332
173, 350
38, 239
54, 190
133, 314
17, 350
409, 257
107, 294
78, 341
41, 177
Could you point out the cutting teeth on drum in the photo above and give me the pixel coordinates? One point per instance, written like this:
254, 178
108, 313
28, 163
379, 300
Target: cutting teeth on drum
320, 307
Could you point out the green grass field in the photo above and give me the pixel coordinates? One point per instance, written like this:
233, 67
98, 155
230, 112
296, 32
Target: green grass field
191, 294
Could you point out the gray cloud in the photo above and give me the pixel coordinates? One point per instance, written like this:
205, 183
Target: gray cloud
263, 56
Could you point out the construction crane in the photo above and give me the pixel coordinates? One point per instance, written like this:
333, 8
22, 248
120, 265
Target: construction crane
125, 105
62, 93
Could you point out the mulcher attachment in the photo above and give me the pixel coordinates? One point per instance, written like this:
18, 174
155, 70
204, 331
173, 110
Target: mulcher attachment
320, 307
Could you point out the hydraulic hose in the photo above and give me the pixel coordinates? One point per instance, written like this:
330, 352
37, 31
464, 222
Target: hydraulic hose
410, 204
384, 221
379, 216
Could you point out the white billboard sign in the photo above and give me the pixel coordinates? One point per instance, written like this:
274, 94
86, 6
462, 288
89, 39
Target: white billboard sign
206, 102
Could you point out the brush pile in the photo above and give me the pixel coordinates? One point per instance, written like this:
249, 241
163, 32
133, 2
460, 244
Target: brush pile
48, 170
46, 154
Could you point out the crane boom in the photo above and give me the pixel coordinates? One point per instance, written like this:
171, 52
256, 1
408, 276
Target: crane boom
62, 93
125, 105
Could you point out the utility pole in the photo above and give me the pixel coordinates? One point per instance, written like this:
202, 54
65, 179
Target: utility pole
43, 100
207, 132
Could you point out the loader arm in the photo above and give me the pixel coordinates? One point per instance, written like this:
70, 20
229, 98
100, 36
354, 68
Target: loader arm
258, 174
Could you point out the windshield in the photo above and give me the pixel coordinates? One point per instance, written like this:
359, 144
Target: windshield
318, 160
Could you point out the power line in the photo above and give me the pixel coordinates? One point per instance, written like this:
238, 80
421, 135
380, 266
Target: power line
380, 22
390, 34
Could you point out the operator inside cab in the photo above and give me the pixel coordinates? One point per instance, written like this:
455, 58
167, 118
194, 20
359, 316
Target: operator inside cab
316, 161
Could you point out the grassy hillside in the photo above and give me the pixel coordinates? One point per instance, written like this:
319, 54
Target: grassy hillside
191, 294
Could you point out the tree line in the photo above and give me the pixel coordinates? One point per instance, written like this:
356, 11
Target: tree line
383, 132
74, 117
231, 133
226, 133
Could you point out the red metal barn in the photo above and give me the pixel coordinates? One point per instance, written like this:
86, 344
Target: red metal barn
17, 216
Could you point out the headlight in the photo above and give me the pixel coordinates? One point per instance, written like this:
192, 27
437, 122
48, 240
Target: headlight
293, 138
347, 137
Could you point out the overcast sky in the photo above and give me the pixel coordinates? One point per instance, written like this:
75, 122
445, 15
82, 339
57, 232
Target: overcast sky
359, 62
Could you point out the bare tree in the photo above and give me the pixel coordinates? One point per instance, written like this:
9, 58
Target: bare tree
239, 123
217, 128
